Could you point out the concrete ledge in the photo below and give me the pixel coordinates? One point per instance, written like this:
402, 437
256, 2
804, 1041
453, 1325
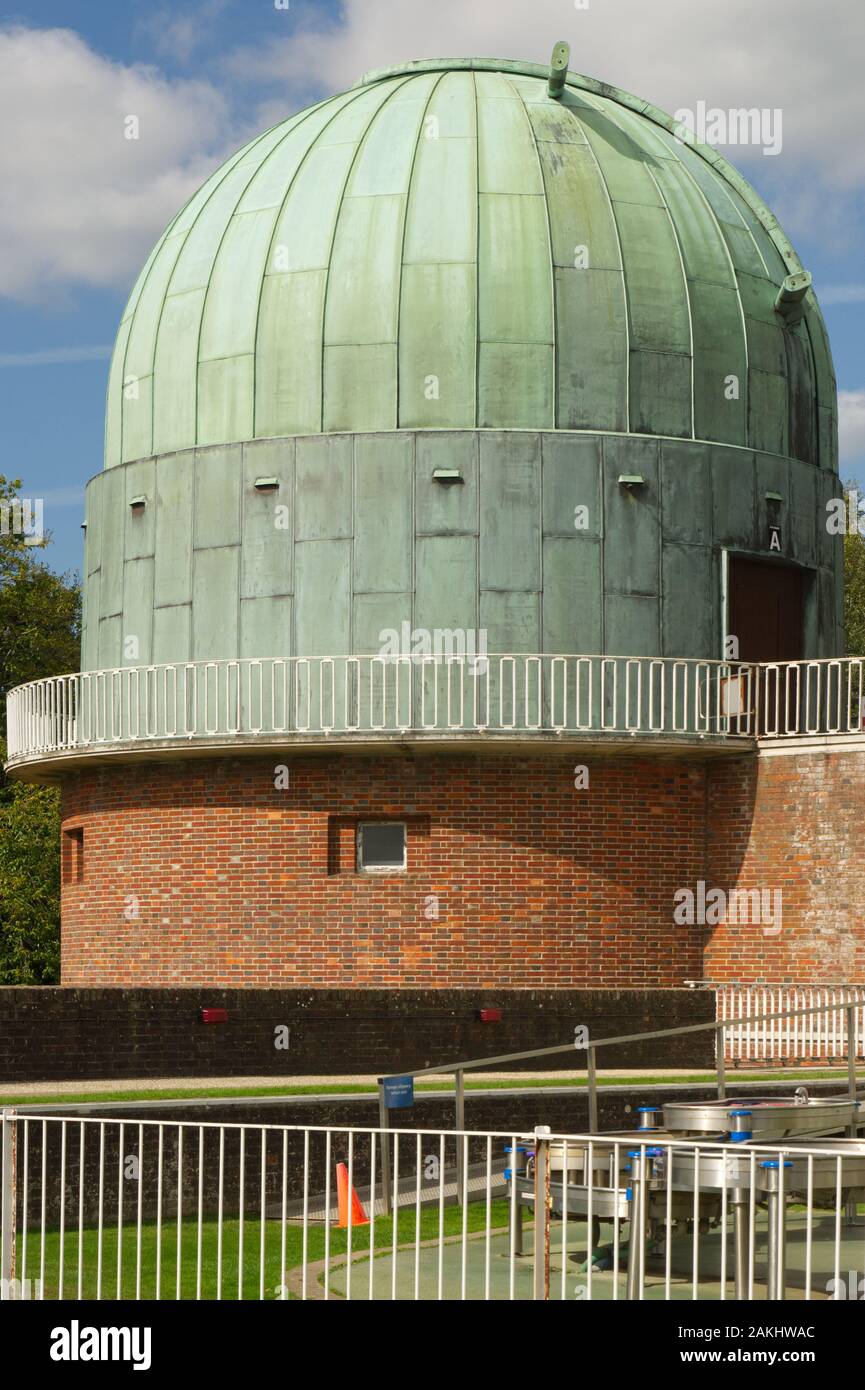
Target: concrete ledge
811, 743
48, 769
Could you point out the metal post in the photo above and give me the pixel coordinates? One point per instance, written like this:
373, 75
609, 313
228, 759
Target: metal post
781, 1291
721, 1060
460, 1104
518, 1170
776, 1254
542, 1214
637, 1235
383, 1124
772, 1248
740, 1133
851, 1060
593, 1091
740, 1242
852, 1131
8, 1132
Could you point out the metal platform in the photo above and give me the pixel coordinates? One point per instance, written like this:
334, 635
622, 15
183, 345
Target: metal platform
771, 1118
654, 1176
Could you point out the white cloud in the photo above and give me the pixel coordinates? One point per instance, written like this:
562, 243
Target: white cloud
63, 497
842, 294
179, 34
49, 357
783, 54
851, 426
81, 203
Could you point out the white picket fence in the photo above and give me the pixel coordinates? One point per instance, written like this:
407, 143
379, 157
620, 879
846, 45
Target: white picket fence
822, 1037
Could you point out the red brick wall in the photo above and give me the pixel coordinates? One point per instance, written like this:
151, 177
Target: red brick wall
540, 885
792, 822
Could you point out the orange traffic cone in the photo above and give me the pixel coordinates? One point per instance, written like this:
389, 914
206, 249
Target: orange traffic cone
358, 1215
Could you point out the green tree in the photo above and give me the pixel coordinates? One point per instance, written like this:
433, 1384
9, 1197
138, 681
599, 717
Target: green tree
40, 615
854, 588
29, 885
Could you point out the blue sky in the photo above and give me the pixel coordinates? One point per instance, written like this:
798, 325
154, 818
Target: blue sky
81, 208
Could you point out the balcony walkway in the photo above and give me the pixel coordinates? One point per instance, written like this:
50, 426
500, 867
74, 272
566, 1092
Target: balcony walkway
601, 704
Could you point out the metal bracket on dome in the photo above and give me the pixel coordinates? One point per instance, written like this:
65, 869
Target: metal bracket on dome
789, 302
558, 69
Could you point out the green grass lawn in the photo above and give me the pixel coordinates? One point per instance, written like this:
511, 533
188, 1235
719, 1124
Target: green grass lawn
231, 1259
443, 1084
274, 1269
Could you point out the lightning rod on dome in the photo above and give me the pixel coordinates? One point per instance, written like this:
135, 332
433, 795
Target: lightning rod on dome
559, 61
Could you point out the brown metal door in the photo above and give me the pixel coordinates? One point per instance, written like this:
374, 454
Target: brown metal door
766, 616
766, 610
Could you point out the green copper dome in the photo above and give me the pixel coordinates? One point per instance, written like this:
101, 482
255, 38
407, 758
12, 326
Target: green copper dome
447, 246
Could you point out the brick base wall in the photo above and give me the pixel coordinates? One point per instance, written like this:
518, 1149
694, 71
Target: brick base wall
81, 1034
203, 873
801, 836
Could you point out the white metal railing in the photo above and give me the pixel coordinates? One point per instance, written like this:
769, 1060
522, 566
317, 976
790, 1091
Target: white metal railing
380, 696
156, 1209
821, 1036
446, 696
796, 698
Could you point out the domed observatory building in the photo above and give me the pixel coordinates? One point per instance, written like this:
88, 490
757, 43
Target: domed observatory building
461, 537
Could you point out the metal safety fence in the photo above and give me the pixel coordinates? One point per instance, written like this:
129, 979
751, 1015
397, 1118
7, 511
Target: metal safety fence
144, 1209
374, 696
753, 1033
427, 695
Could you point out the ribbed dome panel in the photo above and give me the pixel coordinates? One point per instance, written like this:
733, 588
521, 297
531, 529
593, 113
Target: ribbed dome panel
448, 247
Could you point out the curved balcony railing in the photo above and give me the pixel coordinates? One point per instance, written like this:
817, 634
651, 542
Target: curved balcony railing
325, 698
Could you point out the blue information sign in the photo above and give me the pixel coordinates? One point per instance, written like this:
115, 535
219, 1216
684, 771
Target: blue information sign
398, 1092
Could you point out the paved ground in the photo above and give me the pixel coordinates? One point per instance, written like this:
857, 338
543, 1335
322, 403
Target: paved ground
483, 1268
234, 1083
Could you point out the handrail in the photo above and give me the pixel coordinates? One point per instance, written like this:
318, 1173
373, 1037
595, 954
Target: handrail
445, 693
448, 693
718, 1026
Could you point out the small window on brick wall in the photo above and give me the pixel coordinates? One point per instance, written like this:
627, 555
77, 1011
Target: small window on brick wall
73, 855
344, 844
381, 847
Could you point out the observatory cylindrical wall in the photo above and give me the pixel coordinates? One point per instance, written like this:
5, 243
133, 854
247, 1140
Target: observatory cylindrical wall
535, 545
